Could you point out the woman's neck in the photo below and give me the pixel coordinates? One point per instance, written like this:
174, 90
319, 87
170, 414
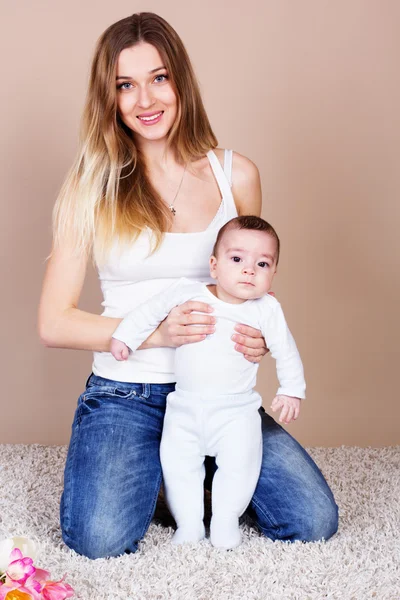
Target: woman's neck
156, 155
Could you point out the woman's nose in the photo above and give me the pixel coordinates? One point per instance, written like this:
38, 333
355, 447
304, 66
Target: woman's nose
145, 98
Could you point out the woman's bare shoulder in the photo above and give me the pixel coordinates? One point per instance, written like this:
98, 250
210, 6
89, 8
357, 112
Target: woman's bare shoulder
246, 182
246, 185
245, 179
243, 169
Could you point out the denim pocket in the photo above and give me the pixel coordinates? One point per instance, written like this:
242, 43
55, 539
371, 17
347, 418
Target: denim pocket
95, 396
100, 391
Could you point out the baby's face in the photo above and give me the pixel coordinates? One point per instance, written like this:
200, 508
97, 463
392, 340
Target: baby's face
245, 266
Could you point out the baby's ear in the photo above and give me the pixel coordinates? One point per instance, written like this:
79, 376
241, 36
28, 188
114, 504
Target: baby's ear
213, 267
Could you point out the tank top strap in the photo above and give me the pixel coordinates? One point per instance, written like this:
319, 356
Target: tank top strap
218, 172
228, 166
228, 207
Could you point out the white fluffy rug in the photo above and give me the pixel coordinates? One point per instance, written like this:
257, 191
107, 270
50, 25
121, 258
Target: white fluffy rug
361, 561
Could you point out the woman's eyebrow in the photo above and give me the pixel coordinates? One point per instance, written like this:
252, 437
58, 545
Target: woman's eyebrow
150, 72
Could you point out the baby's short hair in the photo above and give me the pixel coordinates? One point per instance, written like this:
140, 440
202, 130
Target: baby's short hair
247, 222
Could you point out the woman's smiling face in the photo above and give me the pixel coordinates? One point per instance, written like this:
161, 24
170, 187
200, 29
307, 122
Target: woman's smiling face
147, 102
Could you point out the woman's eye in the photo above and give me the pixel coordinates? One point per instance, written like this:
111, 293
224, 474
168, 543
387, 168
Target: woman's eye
236, 258
263, 265
121, 85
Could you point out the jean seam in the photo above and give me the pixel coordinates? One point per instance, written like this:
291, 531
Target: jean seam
152, 507
266, 515
67, 491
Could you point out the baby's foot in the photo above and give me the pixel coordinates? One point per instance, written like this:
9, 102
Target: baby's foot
188, 534
225, 532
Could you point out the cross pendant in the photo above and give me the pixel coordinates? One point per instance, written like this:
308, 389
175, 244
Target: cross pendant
171, 208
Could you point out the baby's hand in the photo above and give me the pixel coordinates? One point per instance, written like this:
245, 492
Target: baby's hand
290, 407
119, 350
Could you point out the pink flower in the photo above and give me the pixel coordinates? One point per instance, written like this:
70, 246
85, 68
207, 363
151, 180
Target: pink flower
27, 547
57, 590
22, 581
40, 577
20, 568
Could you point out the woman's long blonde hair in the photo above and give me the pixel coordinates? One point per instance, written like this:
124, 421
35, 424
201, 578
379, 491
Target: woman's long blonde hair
107, 192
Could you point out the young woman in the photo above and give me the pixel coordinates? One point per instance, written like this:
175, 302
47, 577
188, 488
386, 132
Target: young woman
144, 201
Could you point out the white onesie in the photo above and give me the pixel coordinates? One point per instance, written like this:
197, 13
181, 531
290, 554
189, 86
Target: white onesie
214, 409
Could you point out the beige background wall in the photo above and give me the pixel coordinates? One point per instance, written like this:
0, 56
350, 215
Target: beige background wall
310, 92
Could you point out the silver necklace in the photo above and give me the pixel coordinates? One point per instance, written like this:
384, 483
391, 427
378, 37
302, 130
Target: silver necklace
171, 206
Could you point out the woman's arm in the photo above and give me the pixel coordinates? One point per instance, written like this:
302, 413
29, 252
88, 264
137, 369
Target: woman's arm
246, 186
60, 323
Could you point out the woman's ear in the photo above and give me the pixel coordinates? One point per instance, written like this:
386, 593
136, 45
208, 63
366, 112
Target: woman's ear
213, 267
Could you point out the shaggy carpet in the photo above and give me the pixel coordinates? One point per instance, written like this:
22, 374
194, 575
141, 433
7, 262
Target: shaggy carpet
360, 562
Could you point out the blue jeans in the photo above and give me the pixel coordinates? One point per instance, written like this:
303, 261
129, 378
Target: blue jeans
113, 475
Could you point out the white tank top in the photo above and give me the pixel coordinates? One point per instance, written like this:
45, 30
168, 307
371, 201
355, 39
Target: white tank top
131, 277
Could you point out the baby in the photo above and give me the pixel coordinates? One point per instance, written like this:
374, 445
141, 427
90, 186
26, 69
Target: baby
214, 408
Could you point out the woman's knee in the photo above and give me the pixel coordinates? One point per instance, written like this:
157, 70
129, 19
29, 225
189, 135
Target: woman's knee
97, 547
314, 519
102, 530
101, 539
325, 521
320, 523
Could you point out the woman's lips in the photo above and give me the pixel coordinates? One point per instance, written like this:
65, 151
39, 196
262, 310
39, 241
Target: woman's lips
151, 120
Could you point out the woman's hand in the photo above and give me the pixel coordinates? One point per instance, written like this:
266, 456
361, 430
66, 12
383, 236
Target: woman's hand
184, 326
250, 343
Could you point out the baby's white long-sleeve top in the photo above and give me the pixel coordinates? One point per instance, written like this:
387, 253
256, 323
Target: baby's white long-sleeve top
213, 365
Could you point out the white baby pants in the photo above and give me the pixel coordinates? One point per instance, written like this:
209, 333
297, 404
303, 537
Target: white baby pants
227, 427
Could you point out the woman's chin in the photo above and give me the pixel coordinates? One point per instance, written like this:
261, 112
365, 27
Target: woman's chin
150, 136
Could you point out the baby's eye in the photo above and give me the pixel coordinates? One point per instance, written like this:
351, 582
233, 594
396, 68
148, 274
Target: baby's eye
263, 265
236, 259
